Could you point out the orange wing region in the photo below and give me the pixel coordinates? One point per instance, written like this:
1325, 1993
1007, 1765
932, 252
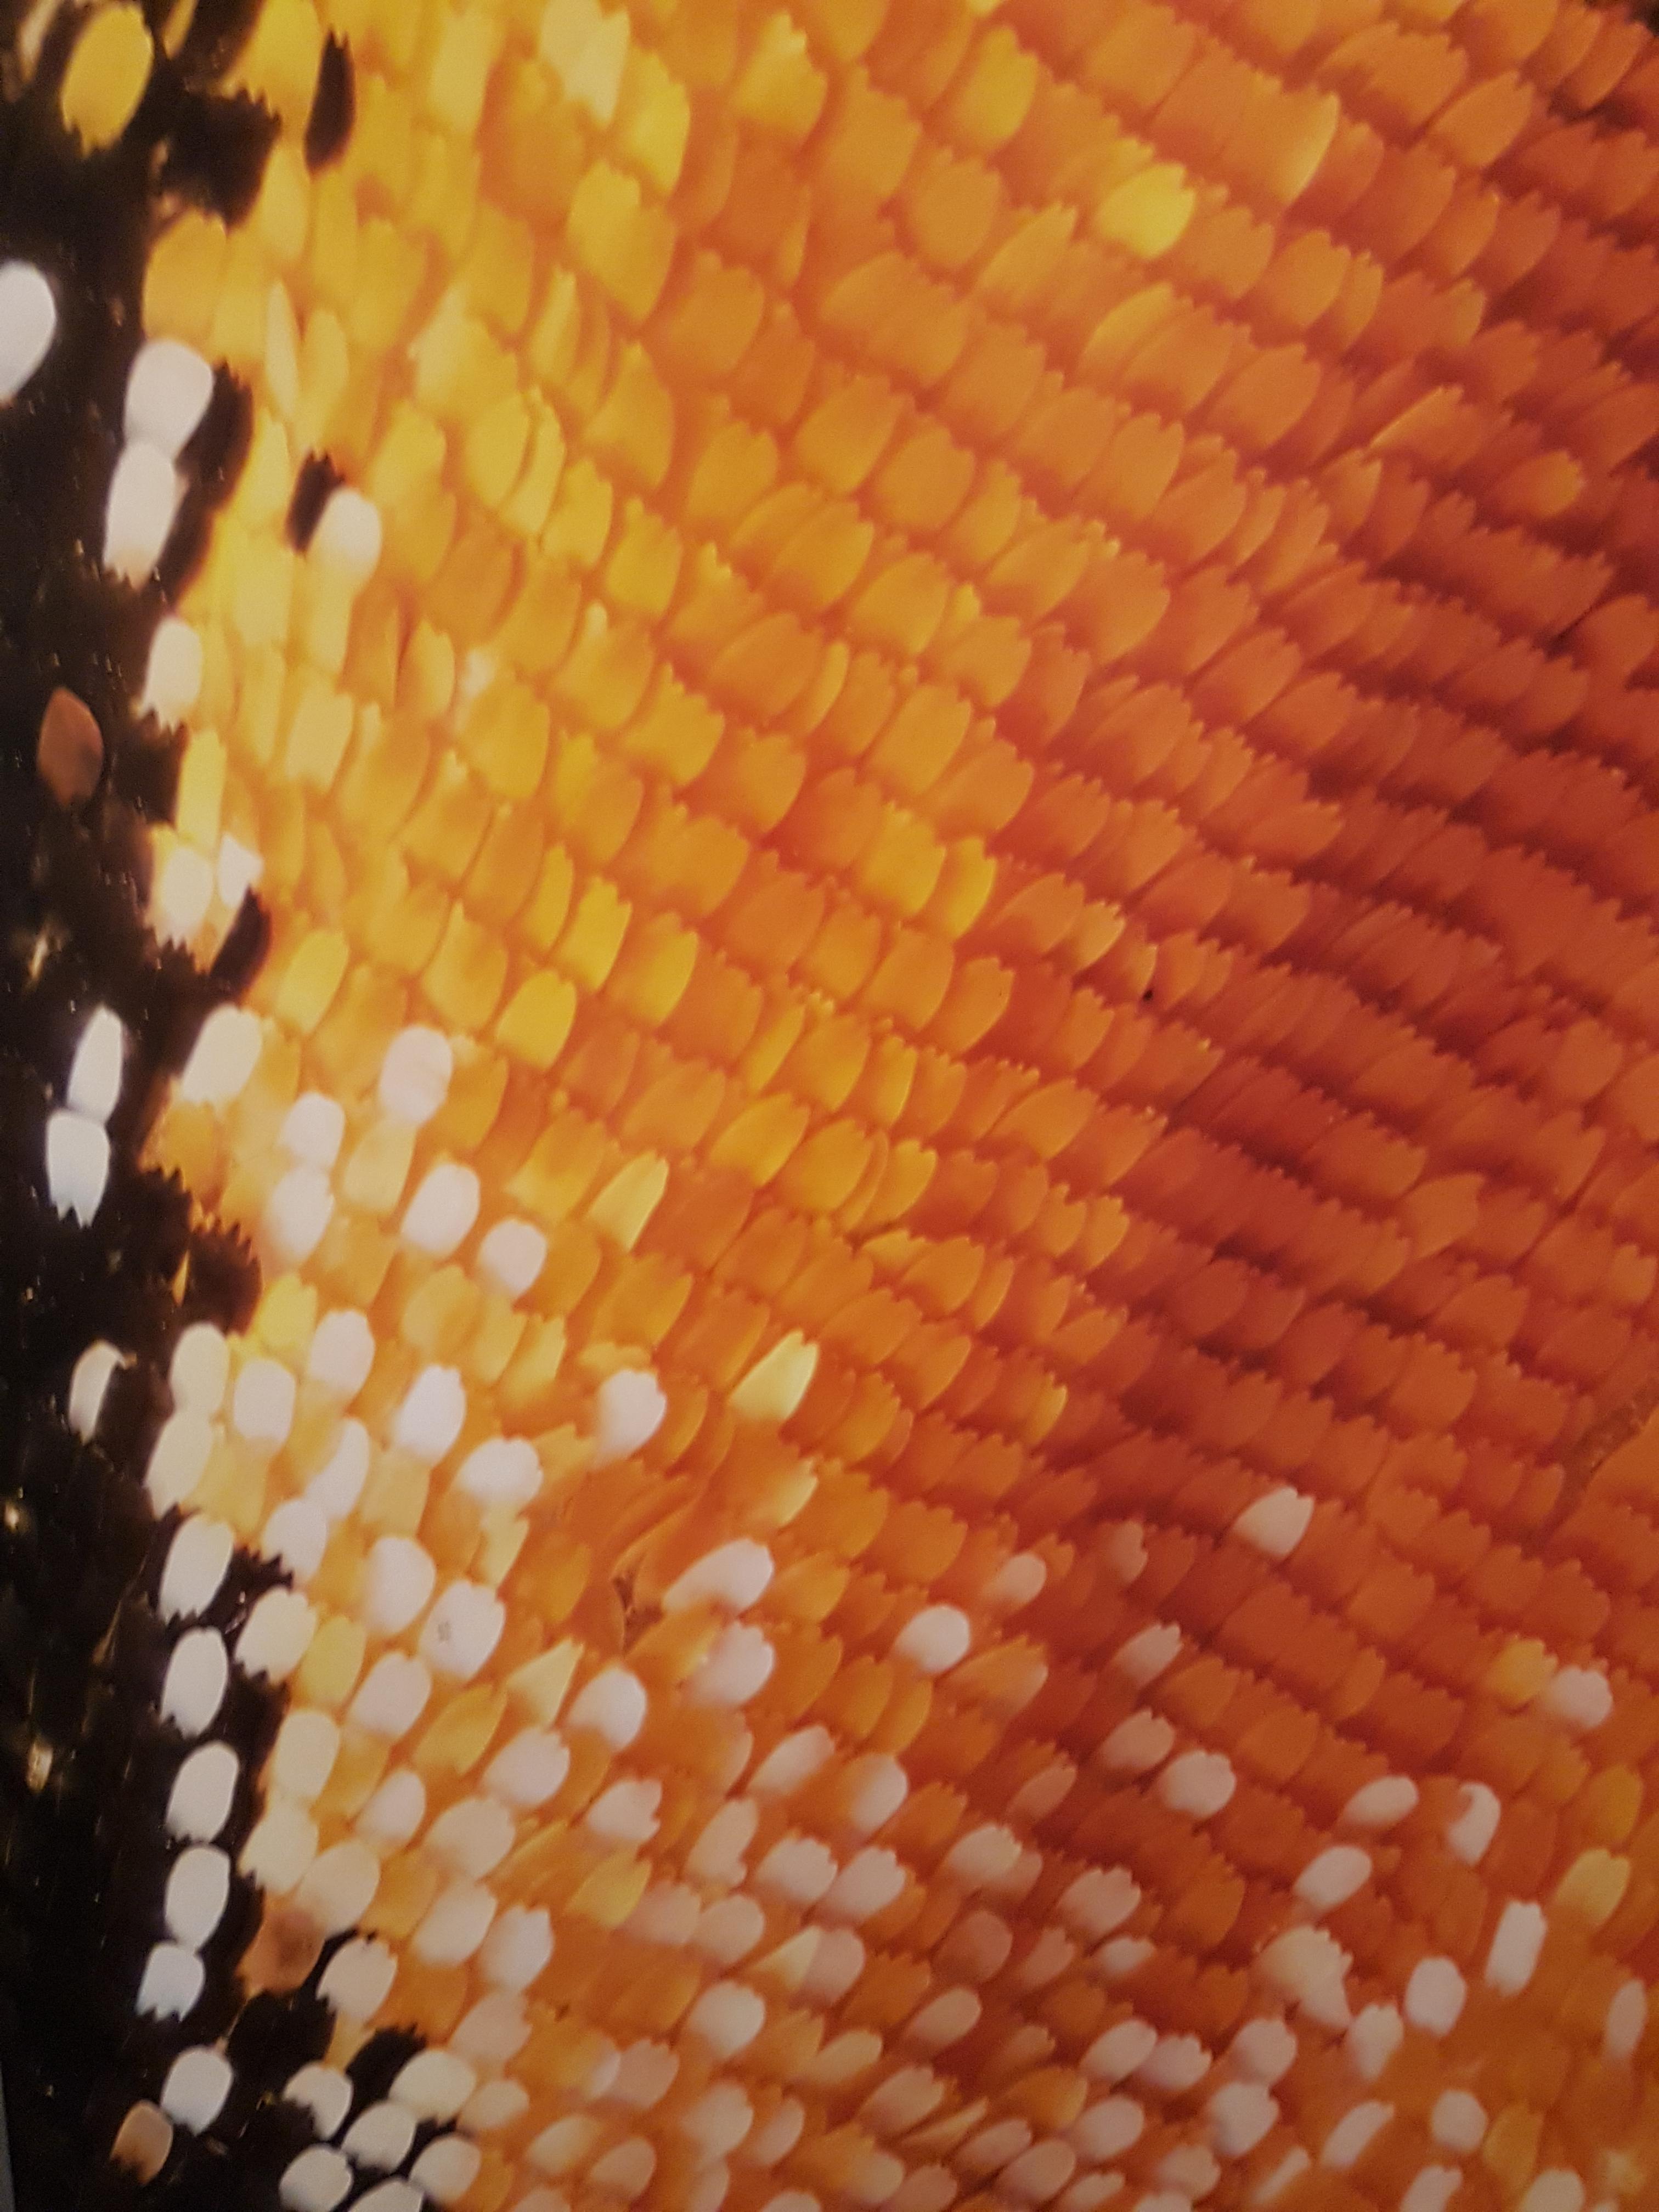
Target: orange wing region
951, 1124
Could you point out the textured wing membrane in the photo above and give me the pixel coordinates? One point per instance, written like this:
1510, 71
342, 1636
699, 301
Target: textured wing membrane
940, 1493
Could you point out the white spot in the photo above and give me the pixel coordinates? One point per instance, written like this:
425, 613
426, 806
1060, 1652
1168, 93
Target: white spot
203, 1790
296, 1536
1264, 2049
28, 321
342, 1354
1577, 1696
1516, 1944
1138, 1743
77, 1165
472, 1836
442, 1210
798, 1869
516, 1947
171, 1982
313, 1129
454, 1925
1470, 1831
447, 2169
336, 1489
870, 1881
1557, 2189
646, 2072
511, 1257
505, 1471
793, 1760
281, 1848
626, 1812
200, 1369
935, 1639
143, 498
1382, 1803
93, 1371
731, 1576
326, 2094
631, 1407
431, 1416
1016, 1583
1115, 2054
1275, 1522
398, 1580
718, 2121
740, 1664
173, 675
1178, 2064
1199, 1783
492, 2106
1627, 2022
415, 1075
196, 1561
95, 1079
463, 1629
1333, 1877
238, 872
197, 1675
1098, 1900
347, 534
392, 1696
380, 2136
1149, 1652
197, 2083
1354, 2133
1434, 1996
339, 1886
871, 1789
392, 2196
168, 388
1290, 2168
836, 1964
1376, 2033
1458, 2122
303, 1756
1240, 2115
1039, 2173
943, 2020
316, 2181
624, 2172
262, 1404
1310, 1965
277, 1636
1122, 1956
612, 1705
727, 2017
982, 1857
358, 1978
296, 1215
529, 1768
395, 1812
182, 895
1432, 2188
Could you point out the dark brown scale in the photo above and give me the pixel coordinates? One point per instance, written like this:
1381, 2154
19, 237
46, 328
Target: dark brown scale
86, 1760
333, 105
317, 481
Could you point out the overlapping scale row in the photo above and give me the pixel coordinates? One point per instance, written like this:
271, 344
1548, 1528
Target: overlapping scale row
944, 709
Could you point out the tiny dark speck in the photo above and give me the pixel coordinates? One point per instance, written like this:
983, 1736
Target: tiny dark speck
317, 479
333, 105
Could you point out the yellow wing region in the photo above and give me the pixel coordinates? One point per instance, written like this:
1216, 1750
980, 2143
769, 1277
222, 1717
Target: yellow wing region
951, 1127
